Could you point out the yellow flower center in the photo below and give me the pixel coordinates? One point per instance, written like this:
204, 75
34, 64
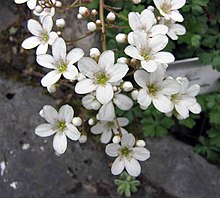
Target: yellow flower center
61, 125
102, 79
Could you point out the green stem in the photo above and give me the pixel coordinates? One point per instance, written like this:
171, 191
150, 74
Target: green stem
103, 36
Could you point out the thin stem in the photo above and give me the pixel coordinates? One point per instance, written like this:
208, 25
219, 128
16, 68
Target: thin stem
80, 38
101, 12
119, 127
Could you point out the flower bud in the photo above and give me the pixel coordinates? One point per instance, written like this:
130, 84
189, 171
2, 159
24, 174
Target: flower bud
140, 143
136, 1
151, 8
79, 16
122, 60
91, 121
58, 4
134, 94
83, 10
121, 38
51, 88
77, 121
98, 22
115, 88
116, 139
60, 23
38, 9
94, 12
91, 26
83, 138
127, 86
111, 16
94, 53
59, 33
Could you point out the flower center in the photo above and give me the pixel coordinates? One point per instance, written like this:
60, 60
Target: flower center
145, 56
153, 89
45, 37
102, 79
166, 7
62, 68
125, 152
61, 125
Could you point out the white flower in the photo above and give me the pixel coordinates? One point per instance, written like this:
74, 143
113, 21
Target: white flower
106, 128
42, 35
185, 101
30, 3
90, 102
147, 50
59, 123
145, 22
127, 156
169, 8
101, 76
61, 63
44, 13
155, 89
174, 28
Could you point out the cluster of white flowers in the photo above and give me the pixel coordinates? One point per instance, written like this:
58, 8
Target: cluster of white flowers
101, 78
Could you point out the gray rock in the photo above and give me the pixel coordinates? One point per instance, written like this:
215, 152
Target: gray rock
173, 170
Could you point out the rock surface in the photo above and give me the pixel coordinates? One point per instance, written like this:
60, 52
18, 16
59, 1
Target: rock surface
33, 169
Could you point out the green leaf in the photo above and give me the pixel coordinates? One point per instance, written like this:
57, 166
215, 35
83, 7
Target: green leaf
216, 62
195, 40
189, 122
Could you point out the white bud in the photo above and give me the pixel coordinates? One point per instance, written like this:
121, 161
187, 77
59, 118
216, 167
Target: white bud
115, 88
81, 76
134, 94
96, 105
123, 60
151, 8
98, 22
121, 38
127, 86
58, 4
51, 89
59, 33
91, 121
136, 1
116, 139
38, 9
79, 16
77, 121
91, 26
140, 143
111, 16
94, 12
60, 23
83, 10
83, 139
94, 53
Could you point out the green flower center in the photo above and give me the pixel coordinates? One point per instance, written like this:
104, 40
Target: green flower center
125, 152
110, 124
62, 68
61, 125
153, 89
45, 37
166, 7
146, 56
102, 79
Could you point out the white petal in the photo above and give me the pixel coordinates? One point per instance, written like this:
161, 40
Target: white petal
123, 102
157, 43
112, 149
51, 78
176, 16
46, 60
158, 3
157, 76
66, 113
74, 55
162, 103
31, 4
34, 27
182, 110
42, 49
142, 78
59, 49
140, 40
20, 1
104, 94
106, 137
178, 29
172, 35
196, 108
133, 52
123, 121
44, 130
72, 132
163, 57
128, 140
107, 112
47, 23
31, 42
130, 38
85, 86
71, 72
134, 21
52, 37
170, 87
87, 101
50, 114
193, 90
133, 167
147, 19
88, 67
60, 143
98, 128
140, 153
158, 29
149, 65
117, 72
117, 166
143, 98
177, 4
106, 60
